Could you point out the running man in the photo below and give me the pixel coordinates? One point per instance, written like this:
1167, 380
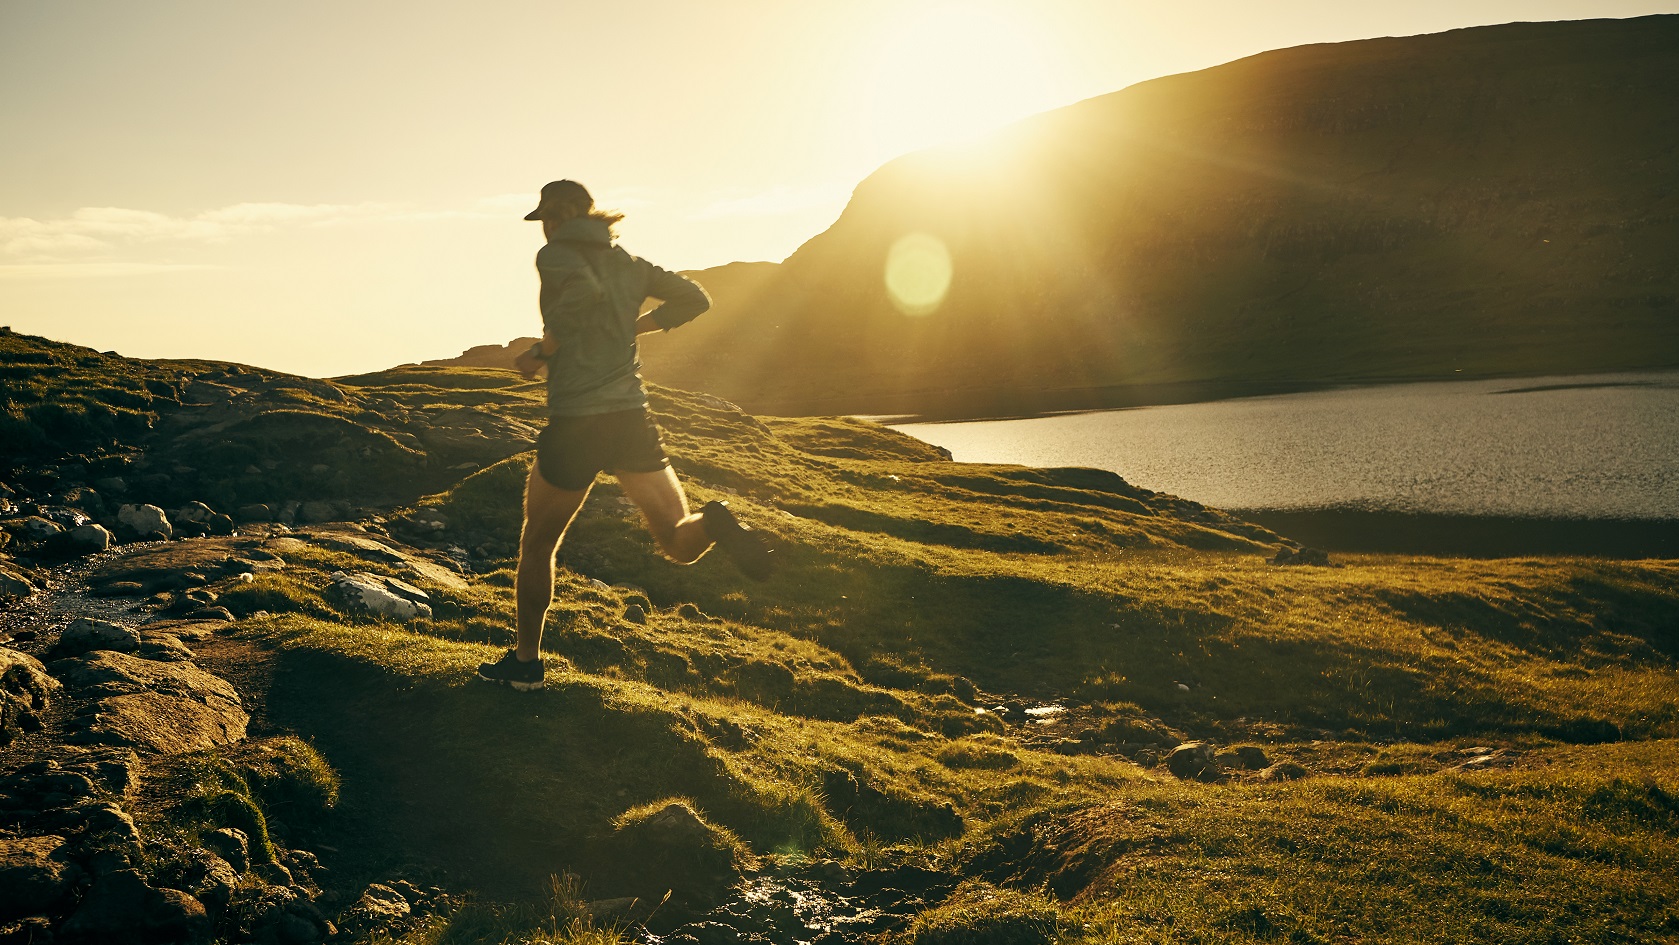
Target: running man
592, 292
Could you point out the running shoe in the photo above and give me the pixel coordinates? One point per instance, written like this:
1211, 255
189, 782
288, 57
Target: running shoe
512, 671
745, 547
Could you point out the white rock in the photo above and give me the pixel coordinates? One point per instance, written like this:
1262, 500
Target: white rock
380, 595
145, 520
90, 538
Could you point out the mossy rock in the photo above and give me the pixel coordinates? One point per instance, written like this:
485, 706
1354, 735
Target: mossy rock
668, 846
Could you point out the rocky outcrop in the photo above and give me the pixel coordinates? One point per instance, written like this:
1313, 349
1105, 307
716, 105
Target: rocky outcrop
36, 876
150, 705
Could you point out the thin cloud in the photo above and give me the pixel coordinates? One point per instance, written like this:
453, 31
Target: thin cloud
92, 229
92, 270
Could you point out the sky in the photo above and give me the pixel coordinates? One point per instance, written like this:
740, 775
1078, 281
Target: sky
329, 187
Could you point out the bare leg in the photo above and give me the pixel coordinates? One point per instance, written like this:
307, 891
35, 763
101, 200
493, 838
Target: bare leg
681, 536
548, 513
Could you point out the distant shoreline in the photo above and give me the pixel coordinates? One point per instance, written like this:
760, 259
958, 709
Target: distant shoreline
979, 407
1470, 536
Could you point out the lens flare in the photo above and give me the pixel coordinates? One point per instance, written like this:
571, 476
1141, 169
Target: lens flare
918, 271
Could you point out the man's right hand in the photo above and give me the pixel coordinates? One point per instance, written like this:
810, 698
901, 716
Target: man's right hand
528, 365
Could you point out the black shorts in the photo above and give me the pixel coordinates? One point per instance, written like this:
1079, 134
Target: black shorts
570, 451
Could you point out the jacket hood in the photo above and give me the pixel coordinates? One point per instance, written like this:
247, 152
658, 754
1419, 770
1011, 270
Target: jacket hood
583, 230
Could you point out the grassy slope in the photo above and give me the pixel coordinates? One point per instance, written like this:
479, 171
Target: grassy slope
833, 709
1491, 201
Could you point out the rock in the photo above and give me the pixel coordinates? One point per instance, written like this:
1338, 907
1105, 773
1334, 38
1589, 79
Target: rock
634, 614
315, 511
1192, 760
255, 512
13, 584
160, 723
1311, 556
85, 634
89, 539
165, 647
25, 689
211, 880
36, 876
1248, 757
145, 522
195, 512
380, 909
152, 706
379, 594
121, 908
1284, 771
114, 484
35, 528
232, 845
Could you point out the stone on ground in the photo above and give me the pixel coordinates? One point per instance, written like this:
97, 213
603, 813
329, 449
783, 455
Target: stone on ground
86, 634
146, 522
378, 594
36, 876
25, 688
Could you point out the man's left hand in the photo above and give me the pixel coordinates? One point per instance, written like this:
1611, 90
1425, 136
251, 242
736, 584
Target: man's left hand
528, 365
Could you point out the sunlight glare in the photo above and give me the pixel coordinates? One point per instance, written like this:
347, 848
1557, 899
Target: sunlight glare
948, 72
918, 272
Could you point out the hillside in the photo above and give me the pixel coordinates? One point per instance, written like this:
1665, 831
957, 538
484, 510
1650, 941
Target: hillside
978, 704
1492, 201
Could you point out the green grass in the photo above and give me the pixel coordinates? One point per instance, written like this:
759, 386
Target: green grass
847, 708
832, 710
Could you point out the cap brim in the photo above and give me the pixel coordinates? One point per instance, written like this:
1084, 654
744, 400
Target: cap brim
534, 214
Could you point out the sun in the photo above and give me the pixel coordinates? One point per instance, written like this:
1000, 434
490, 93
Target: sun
943, 72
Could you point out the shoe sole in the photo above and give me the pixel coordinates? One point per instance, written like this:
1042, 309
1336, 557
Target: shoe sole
517, 686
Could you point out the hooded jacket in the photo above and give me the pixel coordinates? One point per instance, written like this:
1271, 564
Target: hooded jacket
592, 292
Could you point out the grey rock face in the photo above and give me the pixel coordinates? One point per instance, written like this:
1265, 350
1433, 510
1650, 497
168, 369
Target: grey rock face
232, 845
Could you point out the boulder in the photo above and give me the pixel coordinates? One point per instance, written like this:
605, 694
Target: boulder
25, 688
1284, 771
195, 512
85, 634
36, 528
121, 909
1309, 556
378, 594
211, 880
36, 876
1193, 760
316, 511
145, 522
114, 484
232, 845
13, 584
89, 539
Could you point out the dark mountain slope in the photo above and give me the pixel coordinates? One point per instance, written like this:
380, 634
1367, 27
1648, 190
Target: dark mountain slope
1499, 200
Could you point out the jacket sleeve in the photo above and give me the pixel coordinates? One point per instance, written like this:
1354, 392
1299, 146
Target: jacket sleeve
683, 299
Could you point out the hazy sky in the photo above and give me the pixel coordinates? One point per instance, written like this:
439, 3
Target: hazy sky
327, 187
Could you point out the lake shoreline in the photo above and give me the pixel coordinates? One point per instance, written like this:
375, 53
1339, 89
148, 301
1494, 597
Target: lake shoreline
1470, 536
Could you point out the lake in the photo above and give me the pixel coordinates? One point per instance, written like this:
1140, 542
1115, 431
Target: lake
1532, 453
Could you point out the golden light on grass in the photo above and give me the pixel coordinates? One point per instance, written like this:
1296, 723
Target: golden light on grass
918, 273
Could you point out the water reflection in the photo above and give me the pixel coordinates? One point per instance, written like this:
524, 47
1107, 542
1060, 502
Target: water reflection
1599, 446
